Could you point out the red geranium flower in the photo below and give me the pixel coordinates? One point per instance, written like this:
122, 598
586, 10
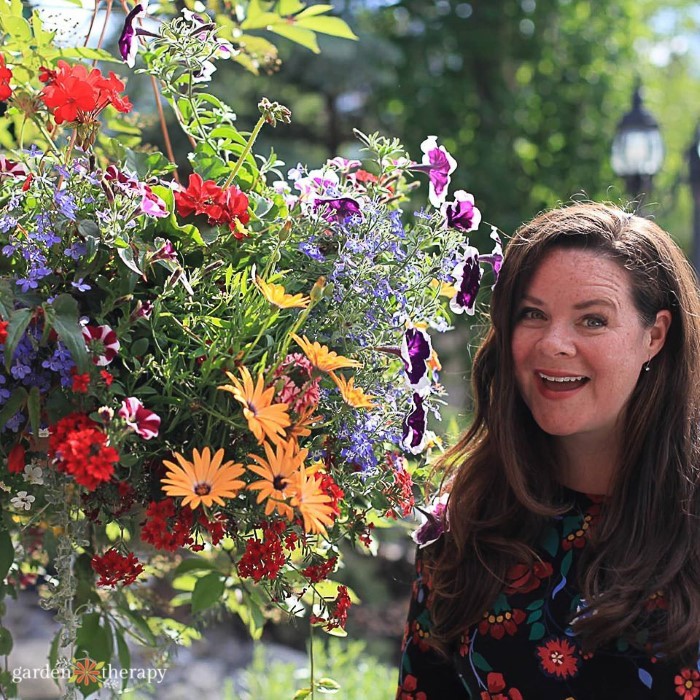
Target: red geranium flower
688, 684
558, 658
115, 568
521, 578
16, 459
5, 75
496, 684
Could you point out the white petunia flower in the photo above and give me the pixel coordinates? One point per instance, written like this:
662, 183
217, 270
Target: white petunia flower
33, 474
22, 501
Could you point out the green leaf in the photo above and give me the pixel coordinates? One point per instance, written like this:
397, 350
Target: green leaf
261, 21
207, 591
298, 35
6, 298
63, 315
289, 7
302, 693
90, 54
5, 641
328, 685
314, 10
127, 257
16, 402
19, 320
34, 409
17, 27
7, 553
123, 654
193, 564
537, 631
480, 662
332, 26
141, 627
566, 563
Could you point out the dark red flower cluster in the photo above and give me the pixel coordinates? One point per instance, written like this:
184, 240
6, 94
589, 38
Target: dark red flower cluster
115, 568
3, 331
81, 382
216, 528
165, 528
337, 611
74, 95
5, 75
16, 460
331, 489
317, 572
263, 558
80, 449
220, 206
400, 493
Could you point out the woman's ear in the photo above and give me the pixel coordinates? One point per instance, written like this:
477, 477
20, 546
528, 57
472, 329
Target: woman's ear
658, 332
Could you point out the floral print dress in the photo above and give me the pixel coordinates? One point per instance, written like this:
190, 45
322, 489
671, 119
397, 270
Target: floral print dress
524, 649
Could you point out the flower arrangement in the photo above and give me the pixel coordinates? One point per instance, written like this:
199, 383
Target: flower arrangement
214, 383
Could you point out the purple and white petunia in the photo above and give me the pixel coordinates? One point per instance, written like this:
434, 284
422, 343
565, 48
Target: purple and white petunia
151, 203
416, 351
104, 339
336, 209
461, 213
439, 165
414, 427
143, 422
435, 522
128, 44
468, 273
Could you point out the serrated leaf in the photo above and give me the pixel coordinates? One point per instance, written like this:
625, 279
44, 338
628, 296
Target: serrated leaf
299, 35
19, 320
332, 26
207, 591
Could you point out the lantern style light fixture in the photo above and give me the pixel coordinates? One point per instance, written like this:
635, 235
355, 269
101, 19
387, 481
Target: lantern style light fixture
637, 149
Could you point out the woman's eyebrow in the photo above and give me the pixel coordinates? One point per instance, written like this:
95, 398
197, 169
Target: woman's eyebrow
599, 301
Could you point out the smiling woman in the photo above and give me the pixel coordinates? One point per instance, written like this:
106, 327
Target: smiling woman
569, 559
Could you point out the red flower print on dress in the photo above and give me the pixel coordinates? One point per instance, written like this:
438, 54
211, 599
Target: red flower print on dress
656, 601
408, 689
419, 635
496, 684
688, 684
578, 537
498, 625
558, 658
522, 578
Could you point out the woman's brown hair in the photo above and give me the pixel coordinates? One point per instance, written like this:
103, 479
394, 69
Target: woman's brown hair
502, 474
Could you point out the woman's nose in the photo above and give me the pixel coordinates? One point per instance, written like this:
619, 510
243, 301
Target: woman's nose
557, 339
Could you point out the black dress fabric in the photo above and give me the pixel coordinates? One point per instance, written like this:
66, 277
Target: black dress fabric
524, 648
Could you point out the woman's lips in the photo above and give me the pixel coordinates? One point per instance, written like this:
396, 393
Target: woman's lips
560, 384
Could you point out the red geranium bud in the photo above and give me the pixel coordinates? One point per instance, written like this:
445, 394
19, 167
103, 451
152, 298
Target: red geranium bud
16, 459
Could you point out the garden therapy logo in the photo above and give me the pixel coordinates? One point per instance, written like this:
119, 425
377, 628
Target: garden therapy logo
86, 672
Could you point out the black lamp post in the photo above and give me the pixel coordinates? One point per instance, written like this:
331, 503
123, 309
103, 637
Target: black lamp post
637, 149
694, 178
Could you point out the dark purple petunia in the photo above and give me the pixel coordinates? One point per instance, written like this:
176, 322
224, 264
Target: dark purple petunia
128, 45
435, 523
495, 257
414, 427
336, 209
439, 165
416, 350
467, 281
461, 213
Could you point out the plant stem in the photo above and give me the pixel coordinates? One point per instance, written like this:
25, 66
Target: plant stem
312, 679
164, 127
104, 26
246, 152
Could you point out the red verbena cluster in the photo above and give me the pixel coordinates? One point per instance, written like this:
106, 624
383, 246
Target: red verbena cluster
331, 489
220, 206
318, 572
74, 95
337, 611
115, 568
401, 491
263, 558
165, 527
80, 449
5, 75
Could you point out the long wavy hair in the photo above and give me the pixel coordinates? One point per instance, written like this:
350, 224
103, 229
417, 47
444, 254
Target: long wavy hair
502, 473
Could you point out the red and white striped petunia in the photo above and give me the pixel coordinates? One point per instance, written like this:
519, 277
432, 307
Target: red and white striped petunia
106, 341
142, 421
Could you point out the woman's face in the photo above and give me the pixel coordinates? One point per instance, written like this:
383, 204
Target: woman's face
579, 344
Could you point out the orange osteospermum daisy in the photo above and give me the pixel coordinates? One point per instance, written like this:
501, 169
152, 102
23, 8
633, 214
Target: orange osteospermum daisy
277, 472
276, 294
352, 395
321, 357
204, 480
265, 419
302, 427
313, 505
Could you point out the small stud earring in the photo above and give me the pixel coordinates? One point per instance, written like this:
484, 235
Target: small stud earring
647, 365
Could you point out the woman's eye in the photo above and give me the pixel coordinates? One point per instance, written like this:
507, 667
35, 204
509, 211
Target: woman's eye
595, 322
530, 314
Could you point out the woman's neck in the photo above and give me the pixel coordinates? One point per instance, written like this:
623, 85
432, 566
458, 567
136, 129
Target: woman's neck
586, 465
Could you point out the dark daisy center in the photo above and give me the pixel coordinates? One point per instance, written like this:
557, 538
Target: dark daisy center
280, 483
202, 489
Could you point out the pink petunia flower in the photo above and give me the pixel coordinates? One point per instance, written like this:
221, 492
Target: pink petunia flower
104, 341
143, 422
